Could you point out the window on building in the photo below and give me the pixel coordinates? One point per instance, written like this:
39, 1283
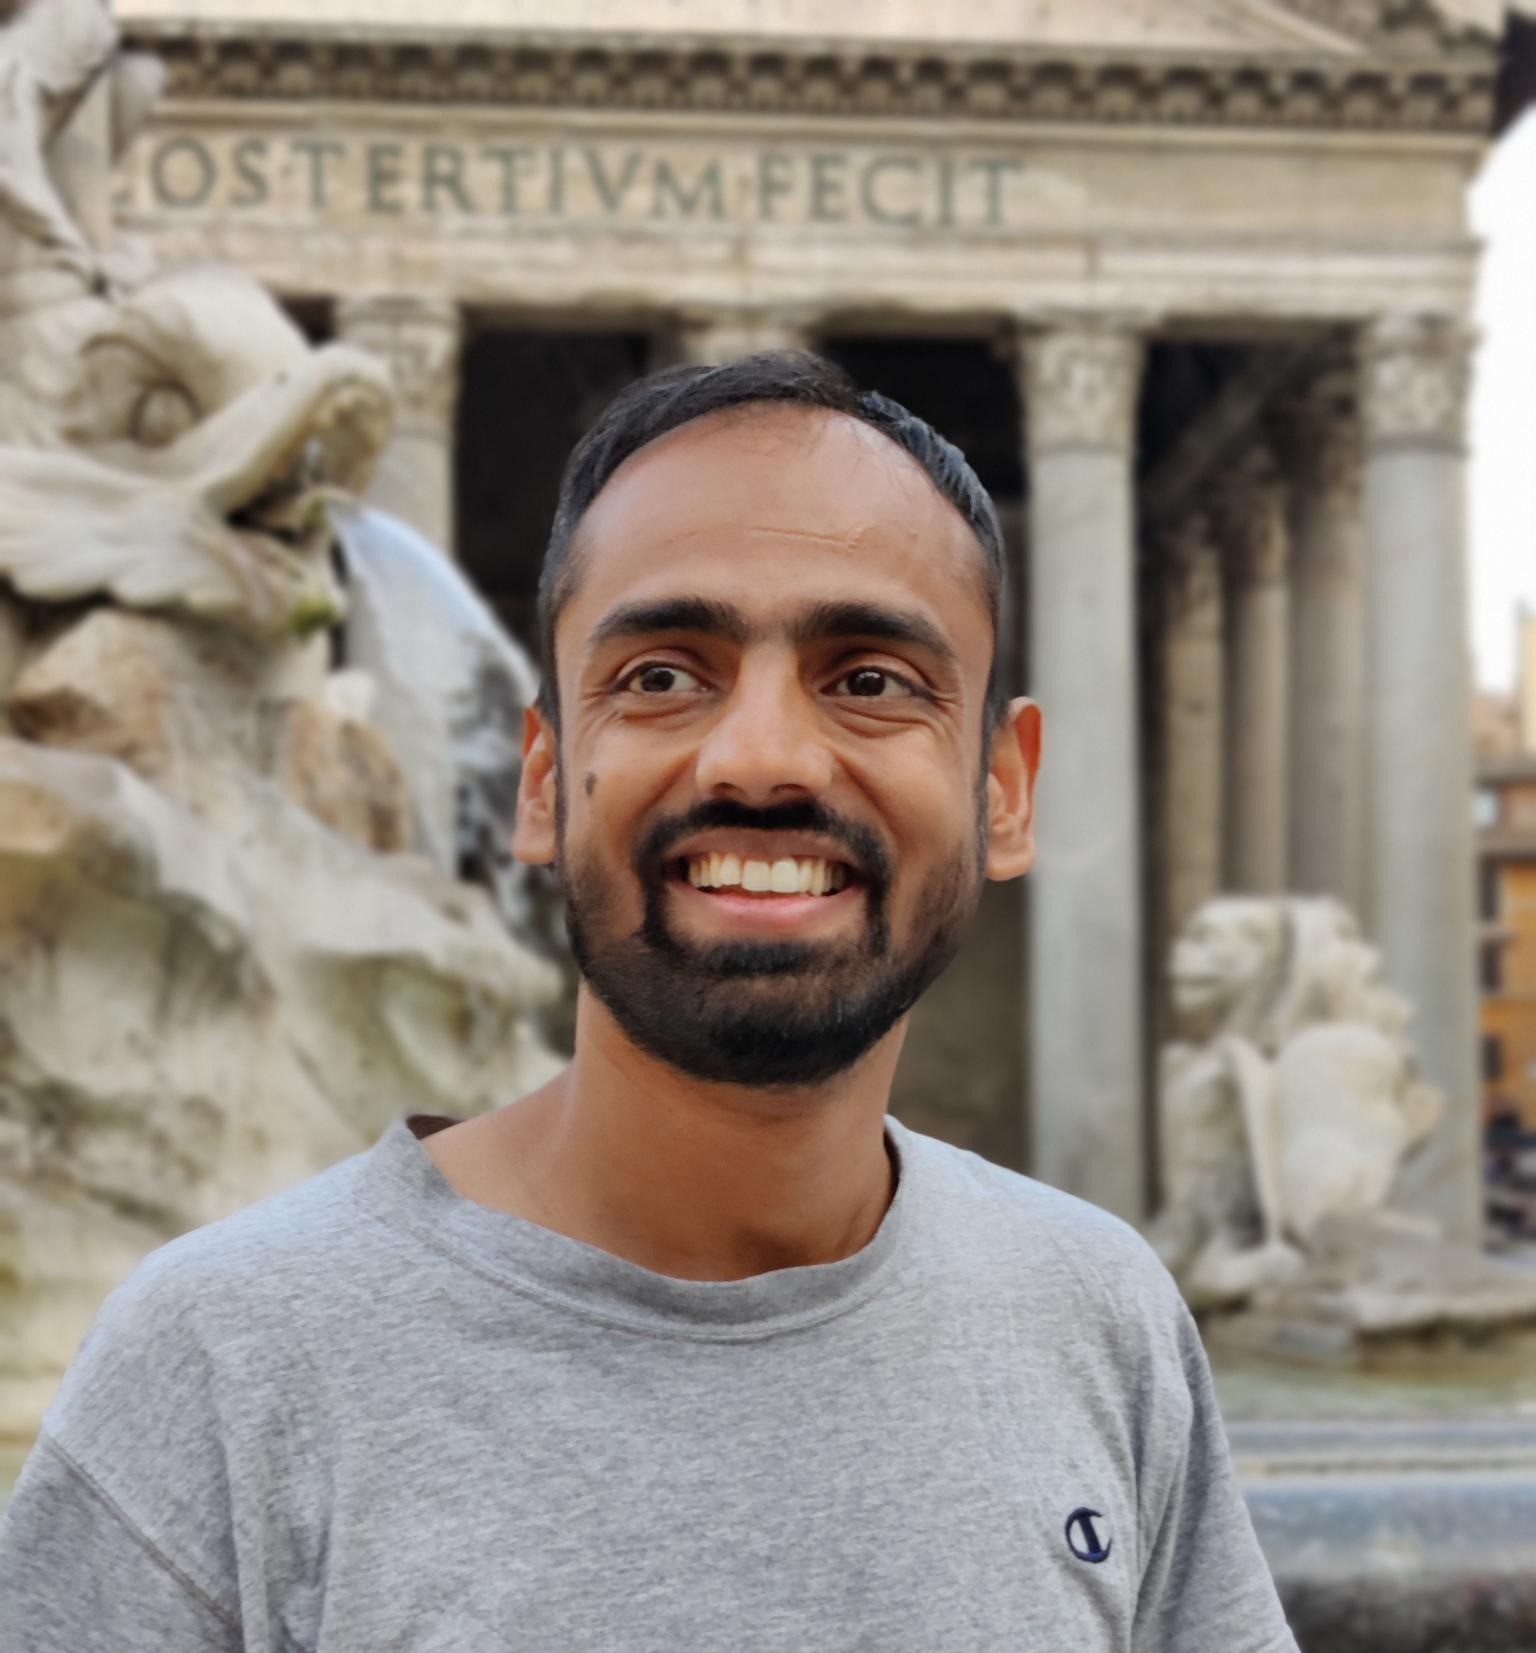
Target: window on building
1491, 967
1485, 808
1488, 892
1493, 1057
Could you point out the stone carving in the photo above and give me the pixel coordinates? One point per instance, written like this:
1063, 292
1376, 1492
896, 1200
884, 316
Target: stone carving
1082, 384
1454, 93
1289, 1100
231, 948
1415, 375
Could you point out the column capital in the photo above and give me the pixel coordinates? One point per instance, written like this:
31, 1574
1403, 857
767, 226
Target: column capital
419, 337
1189, 560
1250, 511
1081, 381
721, 333
1316, 428
1414, 374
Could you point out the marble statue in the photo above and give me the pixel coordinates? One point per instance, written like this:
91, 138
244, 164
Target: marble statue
240, 930
1289, 1100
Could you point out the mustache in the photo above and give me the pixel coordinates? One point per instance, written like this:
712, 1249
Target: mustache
865, 850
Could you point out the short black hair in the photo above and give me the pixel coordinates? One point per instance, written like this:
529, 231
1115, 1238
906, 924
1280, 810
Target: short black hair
653, 406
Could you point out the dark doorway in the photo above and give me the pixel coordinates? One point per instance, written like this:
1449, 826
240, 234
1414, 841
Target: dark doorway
525, 399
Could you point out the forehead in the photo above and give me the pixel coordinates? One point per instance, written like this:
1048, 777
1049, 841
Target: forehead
764, 498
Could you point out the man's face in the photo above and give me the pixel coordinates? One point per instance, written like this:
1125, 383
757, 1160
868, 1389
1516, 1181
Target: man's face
771, 808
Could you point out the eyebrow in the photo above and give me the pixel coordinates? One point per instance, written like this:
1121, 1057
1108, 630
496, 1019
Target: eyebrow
819, 623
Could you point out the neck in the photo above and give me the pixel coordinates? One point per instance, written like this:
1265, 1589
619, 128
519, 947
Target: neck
701, 1181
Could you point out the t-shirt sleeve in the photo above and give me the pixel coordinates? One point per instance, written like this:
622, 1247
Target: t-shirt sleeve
1205, 1587
121, 1531
77, 1577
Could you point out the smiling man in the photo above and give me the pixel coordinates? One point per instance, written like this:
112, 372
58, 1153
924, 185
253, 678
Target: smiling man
696, 1347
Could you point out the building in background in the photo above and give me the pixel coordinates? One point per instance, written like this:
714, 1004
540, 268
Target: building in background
1506, 854
1188, 283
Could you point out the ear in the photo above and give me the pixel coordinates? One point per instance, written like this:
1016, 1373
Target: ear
1015, 762
534, 839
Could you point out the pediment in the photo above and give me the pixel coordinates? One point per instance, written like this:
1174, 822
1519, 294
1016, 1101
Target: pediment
1245, 27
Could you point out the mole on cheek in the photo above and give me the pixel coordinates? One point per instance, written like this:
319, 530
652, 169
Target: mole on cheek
589, 785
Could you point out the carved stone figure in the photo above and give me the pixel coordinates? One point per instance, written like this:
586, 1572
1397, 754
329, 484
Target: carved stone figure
234, 942
1289, 1099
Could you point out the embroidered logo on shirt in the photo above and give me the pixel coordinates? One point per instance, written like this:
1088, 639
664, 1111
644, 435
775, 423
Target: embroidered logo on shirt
1086, 1540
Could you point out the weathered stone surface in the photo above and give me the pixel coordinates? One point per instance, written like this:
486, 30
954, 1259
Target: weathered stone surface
341, 770
1290, 1102
221, 966
170, 702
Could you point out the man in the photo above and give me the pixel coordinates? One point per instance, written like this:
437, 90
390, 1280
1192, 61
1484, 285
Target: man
695, 1348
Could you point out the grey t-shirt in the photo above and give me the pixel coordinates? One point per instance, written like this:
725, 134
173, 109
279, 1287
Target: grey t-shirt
367, 1415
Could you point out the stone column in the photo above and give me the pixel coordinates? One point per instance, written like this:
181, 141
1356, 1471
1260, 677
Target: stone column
1086, 1059
1252, 527
1319, 436
1189, 564
1419, 849
419, 337
721, 335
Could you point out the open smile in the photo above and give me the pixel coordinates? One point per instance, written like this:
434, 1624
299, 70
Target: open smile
784, 892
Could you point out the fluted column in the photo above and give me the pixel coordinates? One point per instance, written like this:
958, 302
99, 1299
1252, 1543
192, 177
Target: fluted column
1189, 564
1419, 850
1319, 442
1251, 513
1086, 1012
420, 338
721, 335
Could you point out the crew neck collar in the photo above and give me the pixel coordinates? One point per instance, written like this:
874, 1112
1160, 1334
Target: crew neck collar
404, 1186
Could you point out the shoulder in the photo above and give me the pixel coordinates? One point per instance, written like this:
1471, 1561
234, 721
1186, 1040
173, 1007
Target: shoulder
163, 1332
1068, 1258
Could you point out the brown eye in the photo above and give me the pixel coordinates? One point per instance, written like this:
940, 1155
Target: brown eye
660, 679
161, 414
870, 683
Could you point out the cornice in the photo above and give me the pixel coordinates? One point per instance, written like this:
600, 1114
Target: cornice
1387, 93
1414, 26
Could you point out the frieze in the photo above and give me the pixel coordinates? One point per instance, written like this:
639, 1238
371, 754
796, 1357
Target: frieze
376, 175
1391, 92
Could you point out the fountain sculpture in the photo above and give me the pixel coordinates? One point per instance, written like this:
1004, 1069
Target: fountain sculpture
1289, 1100
253, 904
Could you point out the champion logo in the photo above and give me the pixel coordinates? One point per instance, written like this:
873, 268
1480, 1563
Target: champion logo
1088, 1535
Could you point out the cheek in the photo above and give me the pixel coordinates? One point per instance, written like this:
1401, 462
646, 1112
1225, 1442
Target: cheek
933, 824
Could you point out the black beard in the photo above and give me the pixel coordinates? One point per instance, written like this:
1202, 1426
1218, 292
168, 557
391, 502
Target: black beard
762, 1013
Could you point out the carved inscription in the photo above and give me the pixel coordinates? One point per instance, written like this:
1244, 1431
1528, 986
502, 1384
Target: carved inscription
347, 176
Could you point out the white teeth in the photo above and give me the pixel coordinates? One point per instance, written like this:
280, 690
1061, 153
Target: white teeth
789, 875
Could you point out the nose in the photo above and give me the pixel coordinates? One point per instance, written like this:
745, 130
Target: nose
767, 743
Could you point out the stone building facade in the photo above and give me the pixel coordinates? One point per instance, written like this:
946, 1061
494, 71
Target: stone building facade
1190, 281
